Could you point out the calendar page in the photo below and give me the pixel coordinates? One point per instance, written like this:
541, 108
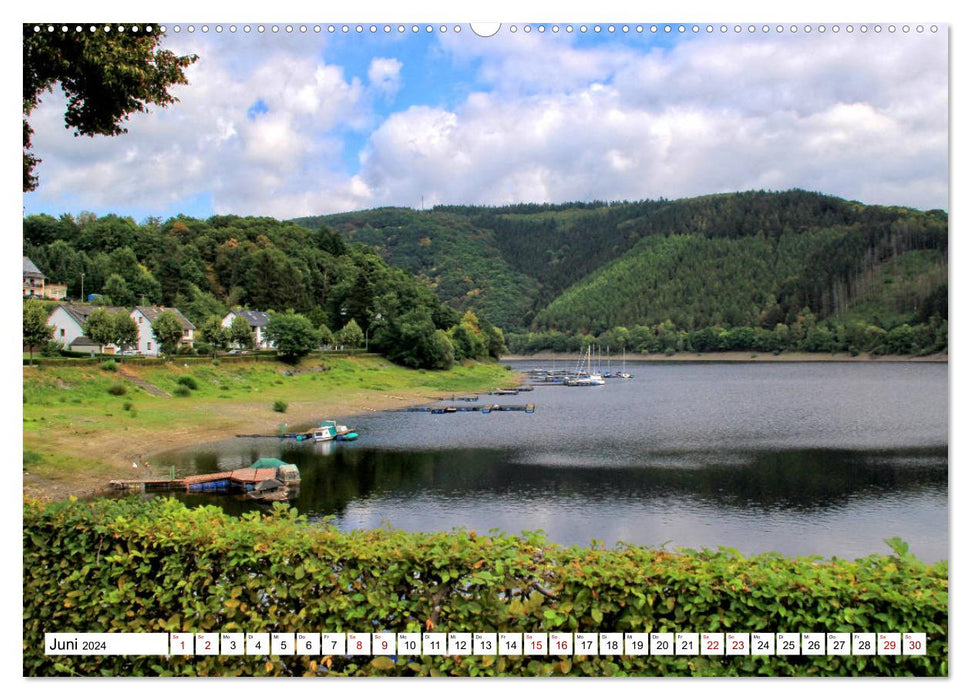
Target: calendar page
432, 348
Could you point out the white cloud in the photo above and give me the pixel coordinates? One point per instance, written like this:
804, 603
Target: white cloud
384, 75
211, 142
262, 126
854, 116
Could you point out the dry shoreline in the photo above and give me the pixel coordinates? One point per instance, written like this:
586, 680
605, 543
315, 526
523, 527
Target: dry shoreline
733, 357
241, 418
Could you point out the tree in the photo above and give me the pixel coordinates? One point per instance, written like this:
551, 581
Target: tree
413, 341
240, 332
215, 334
467, 338
326, 335
36, 331
125, 331
106, 76
168, 332
351, 335
116, 289
495, 341
293, 335
100, 327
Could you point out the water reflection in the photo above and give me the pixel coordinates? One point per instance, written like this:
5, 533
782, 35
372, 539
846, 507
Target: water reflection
767, 458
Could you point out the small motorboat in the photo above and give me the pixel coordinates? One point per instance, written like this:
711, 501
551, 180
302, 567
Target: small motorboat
331, 430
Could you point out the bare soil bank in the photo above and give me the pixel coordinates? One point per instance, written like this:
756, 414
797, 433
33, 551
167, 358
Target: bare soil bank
117, 451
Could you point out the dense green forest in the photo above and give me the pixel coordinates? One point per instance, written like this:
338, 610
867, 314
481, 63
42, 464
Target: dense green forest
759, 271
766, 271
205, 267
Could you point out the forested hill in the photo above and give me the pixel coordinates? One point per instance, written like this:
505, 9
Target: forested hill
754, 270
205, 267
755, 260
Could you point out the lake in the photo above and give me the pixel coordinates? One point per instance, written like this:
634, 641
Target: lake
824, 458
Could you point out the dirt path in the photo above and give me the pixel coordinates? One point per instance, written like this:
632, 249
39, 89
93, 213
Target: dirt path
138, 381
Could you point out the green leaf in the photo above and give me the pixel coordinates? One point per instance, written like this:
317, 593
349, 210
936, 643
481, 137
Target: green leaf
382, 663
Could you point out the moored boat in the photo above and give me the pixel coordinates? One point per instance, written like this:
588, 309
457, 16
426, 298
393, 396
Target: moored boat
331, 430
587, 377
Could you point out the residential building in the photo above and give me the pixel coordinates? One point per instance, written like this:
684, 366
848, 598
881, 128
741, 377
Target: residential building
36, 285
144, 317
68, 321
257, 321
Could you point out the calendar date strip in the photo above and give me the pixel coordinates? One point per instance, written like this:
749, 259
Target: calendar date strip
487, 644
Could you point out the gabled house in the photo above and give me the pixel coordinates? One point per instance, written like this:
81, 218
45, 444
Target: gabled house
144, 317
36, 285
68, 321
257, 321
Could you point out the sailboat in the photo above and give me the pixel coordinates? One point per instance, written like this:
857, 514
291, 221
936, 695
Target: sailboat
624, 374
585, 377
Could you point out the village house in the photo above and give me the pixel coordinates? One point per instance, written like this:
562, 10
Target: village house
36, 285
68, 321
144, 317
257, 321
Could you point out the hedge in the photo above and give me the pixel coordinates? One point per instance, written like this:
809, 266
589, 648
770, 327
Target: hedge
135, 565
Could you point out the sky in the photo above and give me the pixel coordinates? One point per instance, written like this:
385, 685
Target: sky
314, 122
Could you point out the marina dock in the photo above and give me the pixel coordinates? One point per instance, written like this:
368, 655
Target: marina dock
218, 481
235, 481
471, 408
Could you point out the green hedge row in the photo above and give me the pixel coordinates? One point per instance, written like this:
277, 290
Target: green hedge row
154, 566
82, 359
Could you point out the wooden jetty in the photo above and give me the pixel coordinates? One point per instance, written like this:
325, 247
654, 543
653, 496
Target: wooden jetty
218, 481
235, 481
470, 408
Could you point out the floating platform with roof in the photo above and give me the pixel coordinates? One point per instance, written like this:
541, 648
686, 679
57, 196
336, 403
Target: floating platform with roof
235, 481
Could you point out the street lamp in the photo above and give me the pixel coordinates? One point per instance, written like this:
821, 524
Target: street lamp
82, 287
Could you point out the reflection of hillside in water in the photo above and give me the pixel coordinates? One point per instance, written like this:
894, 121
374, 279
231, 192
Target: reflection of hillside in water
802, 480
798, 458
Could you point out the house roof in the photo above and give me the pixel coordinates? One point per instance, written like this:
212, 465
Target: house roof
30, 269
84, 341
152, 312
80, 312
256, 319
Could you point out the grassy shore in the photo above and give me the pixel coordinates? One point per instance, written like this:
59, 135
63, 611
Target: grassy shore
78, 434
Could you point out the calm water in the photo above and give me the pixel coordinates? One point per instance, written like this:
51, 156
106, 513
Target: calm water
808, 458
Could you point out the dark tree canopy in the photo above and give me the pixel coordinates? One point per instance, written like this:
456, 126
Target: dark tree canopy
106, 76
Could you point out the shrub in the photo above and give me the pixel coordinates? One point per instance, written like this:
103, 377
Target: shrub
200, 569
117, 390
127, 405
109, 366
51, 349
280, 406
182, 391
188, 382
